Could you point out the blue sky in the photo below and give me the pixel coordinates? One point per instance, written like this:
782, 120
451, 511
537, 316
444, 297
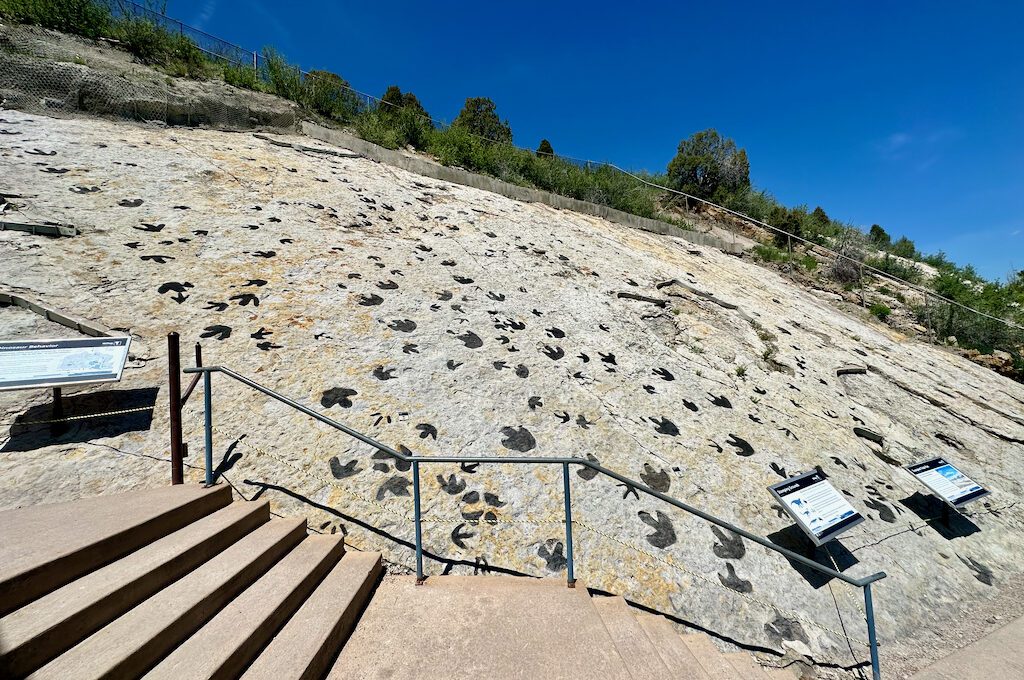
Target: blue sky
906, 114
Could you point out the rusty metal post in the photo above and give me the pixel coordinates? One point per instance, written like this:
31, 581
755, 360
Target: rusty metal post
174, 398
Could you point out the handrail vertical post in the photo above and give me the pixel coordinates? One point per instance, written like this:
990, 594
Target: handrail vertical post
416, 520
869, 612
174, 397
568, 525
208, 417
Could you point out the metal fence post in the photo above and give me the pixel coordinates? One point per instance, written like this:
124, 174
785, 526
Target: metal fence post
869, 611
208, 416
863, 299
174, 397
568, 525
416, 520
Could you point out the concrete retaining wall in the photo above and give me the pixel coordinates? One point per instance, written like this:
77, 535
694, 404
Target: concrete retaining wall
51, 313
427, 168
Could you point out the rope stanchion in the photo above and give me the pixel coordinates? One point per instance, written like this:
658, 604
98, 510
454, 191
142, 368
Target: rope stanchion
87, 416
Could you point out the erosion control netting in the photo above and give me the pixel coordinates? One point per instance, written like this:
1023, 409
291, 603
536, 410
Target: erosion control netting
48, 73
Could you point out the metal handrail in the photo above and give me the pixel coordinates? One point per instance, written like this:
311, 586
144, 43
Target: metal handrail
206, 371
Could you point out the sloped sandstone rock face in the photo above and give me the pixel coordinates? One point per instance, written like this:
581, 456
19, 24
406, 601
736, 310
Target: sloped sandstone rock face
451, 321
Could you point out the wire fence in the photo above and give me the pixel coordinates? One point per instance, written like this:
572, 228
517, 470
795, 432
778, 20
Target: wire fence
212, 46
61, 88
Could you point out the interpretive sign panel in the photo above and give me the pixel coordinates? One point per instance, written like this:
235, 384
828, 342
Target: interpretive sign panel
53, 363
817, 507
947, 482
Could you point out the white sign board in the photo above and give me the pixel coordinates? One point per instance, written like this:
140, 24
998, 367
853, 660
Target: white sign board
821, 511
947, 482
53, 363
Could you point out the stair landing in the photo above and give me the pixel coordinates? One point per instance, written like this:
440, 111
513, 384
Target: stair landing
479, 627
1000, 654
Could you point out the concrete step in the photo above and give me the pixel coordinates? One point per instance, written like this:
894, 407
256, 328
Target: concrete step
479, 627
634, 646
670, 646
309, 642
43, 629
229, 642
45, 547
708, 656
746, 667
131, 644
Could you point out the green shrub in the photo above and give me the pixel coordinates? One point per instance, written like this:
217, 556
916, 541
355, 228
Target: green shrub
707, 163
904, 247
394, 130
879, 236
404, 112
479, 116
544, 149
394, 100
788, 222
241, 76
880, 310
895, 267
329, 95
156, 46
453, 146
147, 41
185, 59
756, 204
375, 128
412, 128
282, 78
89, 18
809, 262
767, 252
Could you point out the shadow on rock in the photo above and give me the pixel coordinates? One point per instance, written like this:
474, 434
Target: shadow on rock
792, 538
931, 510
27, 433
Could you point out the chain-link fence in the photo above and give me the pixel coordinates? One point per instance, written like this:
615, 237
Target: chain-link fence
212, 46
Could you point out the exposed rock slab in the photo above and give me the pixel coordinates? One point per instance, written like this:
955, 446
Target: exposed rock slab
448, 320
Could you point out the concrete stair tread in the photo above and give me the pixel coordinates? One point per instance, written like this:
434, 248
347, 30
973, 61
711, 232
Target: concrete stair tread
670, 646
479, 627
308, 643
746, 667
134, 642
708, 656
39, 631
631, 641
229, 641
48, 546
